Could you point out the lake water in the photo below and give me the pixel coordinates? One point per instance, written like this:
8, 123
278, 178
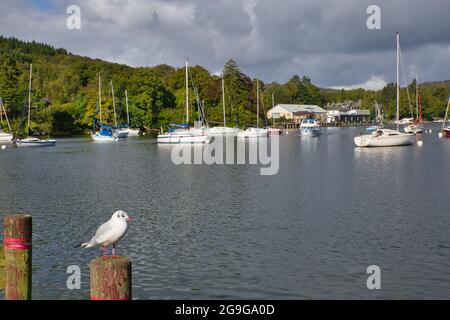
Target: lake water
225, 231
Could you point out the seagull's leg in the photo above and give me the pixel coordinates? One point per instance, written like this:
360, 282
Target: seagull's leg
114, 250
104, 251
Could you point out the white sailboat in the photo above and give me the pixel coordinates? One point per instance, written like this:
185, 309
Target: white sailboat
220, 131
33, 141
117, 131
5, 137
181, 133
255, 132
131, 132
105, 134
388, 137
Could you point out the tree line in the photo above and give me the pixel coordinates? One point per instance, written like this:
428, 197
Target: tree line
65, 91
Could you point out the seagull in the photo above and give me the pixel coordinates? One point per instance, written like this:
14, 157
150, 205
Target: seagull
111, 232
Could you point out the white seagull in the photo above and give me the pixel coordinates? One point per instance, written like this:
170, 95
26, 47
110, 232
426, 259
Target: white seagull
111, 232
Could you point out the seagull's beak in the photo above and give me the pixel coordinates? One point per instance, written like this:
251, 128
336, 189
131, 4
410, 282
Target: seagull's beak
130, 219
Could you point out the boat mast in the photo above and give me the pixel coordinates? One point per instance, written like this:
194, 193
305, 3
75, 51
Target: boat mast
100, 97
417, 97
128, 113
29, 100
257, 103
114, 104
398, 78
187, 93
223, 102
273, 106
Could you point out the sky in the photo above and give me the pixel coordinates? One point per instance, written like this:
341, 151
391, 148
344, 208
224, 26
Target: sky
327, 40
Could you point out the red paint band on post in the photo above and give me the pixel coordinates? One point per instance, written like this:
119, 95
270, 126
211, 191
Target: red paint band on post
17, 240
105, 299
17, 243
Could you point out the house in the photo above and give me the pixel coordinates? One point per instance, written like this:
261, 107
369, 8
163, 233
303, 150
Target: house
296, 112
346, 112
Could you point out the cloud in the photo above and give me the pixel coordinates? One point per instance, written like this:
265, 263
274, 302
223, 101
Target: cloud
269, 39
374, 83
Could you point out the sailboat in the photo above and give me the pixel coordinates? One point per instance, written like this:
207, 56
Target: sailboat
417, 126
446, 131
117, 131
5, 137
387, 137
181, 133
217, 131
131, 132
273, 130
255, 132
105, 134
33, 141
379, 120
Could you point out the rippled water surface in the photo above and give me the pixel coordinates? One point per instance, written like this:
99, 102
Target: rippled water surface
225, 231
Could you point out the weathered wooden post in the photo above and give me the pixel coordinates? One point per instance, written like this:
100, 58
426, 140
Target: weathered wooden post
17, 241
2, 268
110, 278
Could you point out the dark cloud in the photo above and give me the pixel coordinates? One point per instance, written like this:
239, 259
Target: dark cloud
270, 39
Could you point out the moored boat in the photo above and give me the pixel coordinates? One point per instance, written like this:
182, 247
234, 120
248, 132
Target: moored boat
33, 141
106, 133
182, 134
253, 132
223, 130
388, 137
384, 138
5, 137
309, 127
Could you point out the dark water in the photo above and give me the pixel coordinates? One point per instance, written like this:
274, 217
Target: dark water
225, 231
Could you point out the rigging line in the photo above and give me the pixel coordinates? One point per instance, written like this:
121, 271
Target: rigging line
406, 84
388, 59
197, 99
264, 107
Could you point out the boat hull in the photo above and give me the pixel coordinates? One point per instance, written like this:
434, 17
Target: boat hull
182, 139
309, 132
384, 140
253, 133
446, 132
6, 138
222, 131
133, 132
101, 138
121, 134
413, 129
35, 144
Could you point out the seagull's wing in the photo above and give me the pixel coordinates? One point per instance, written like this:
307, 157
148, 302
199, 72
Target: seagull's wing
103, 232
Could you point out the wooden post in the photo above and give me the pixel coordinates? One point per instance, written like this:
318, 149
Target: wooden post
110, 278
2, 268
17, 240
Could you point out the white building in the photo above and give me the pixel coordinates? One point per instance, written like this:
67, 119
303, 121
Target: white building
295, 112
337, 116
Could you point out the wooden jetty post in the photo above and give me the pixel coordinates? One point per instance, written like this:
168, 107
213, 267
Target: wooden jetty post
110, 278
2, 268
17, 241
